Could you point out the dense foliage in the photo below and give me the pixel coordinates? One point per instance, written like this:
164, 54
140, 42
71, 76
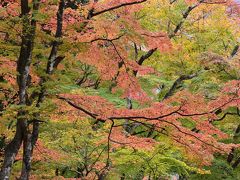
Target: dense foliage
119, 89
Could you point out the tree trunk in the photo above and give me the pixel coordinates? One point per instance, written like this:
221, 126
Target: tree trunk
53, 56
11, 151
231, 154
30, 138
177, 83
23, 66
27, 149
236, 163
126, 125
27, 134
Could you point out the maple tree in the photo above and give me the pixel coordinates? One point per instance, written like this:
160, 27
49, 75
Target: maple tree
110, 46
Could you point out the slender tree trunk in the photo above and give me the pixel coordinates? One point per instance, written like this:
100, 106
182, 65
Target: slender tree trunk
126, 125
27, 148
11, 151
30, 138
29, 141
177, 83
231, 155
27, 133
53, 56
236, 163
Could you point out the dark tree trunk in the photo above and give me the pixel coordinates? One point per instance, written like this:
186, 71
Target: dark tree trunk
126, 125
236, 163
27, 149
11, 151
143, 58
177, 83
184, 17
30, 138
27, 134
230, 156
23, 66
55, 44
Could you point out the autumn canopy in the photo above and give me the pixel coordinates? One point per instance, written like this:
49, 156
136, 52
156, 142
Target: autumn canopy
119, 89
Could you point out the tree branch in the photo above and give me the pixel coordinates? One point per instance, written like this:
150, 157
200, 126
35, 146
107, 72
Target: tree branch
177, 83
92, 13
144, 57
185, 15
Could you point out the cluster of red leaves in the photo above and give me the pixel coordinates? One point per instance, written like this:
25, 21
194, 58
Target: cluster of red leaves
234, 11
104, 59
165, 116
66, 112
71, 19
8, 71
9, 8
119, 139
42, 153
131, 87
157, 40
187, 107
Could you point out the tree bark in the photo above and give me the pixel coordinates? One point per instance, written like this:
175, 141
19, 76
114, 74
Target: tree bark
30, 138
143, 58
11, 151
236, 163
53, 55
23, 66
27, 134
184, 17
177, 83
231, 154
